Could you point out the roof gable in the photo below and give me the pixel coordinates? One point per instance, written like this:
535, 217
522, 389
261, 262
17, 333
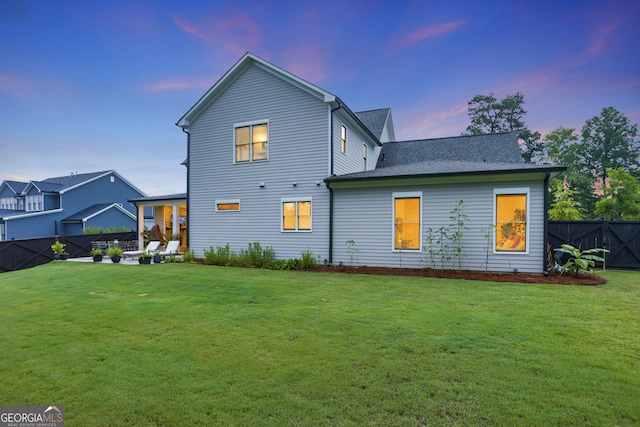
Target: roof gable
95, 210
232, 74
63, 184
376, 120
15, 186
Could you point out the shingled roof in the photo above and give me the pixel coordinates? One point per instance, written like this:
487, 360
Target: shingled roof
460, 155
374, 120
494, 148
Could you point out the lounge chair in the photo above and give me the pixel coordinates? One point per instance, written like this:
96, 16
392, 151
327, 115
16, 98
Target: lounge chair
172, 248
152, 246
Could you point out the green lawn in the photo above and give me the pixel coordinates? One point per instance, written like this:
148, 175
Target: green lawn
185, 344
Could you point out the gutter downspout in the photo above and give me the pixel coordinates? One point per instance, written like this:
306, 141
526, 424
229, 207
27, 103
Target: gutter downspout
545, 252
187, 165
331, 172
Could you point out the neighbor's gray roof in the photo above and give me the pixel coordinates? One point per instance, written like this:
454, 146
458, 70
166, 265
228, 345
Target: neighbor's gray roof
492, 148
91, 210
374, 120
16, 186
164, 197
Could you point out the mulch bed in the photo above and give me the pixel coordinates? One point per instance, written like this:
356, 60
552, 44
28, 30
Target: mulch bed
552, 278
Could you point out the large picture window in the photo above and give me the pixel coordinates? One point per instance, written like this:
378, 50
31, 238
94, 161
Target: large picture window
296, 215
407, 214
511, 212
251, 142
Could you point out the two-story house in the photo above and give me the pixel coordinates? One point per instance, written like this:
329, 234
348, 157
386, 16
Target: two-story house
275, 159
66, 205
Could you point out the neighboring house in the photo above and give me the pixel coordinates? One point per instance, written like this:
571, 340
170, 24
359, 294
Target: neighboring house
66, 205
277, 160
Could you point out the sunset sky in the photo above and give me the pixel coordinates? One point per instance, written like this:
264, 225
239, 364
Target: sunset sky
90, 85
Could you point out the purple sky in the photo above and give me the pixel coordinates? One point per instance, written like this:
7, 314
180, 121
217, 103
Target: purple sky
94, 85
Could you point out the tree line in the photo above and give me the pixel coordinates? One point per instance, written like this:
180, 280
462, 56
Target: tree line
602, 179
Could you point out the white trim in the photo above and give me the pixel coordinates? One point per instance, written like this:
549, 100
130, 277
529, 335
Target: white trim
295, 200
30, 214
227, 201
513, 191
404, 195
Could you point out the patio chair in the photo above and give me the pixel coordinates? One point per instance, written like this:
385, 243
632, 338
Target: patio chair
172, 248
152, 246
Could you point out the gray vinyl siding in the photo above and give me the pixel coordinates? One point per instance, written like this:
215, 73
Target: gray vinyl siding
298, 153
365, 216
352, 160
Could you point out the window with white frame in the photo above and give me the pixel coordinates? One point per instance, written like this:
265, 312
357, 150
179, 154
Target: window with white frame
34, 203
407, 221
343, 139
511, 210
251, 142
3, 236
227, 205
296, 214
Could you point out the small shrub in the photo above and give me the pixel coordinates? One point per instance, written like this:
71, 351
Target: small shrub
189, 256
285, 264
308, 261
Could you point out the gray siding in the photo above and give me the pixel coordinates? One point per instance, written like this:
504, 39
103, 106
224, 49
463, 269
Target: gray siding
365, 216
352, 160
298, 153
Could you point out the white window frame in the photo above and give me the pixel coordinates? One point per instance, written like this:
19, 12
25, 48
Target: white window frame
251, 125
515, 192
405, 195
225, 202
34, 203
295, 200
343, 139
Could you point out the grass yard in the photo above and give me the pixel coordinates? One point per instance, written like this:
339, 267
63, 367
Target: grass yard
186, 344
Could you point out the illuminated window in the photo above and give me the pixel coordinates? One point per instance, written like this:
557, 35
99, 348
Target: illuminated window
296, 215
407, 221
252, 142
511, 220
227, 205
343, 140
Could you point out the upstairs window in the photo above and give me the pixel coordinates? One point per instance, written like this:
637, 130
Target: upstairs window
343, 139
251, 142
296, 215
511, 220
407, 216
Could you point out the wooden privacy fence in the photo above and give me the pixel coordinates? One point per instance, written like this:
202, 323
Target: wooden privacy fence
21, 254
621, 238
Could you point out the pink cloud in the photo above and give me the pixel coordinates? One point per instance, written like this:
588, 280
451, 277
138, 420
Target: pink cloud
179, 84
15, 84
421, 121
235, 32
424, 33
307, 62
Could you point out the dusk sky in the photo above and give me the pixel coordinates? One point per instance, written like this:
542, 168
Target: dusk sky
90, 85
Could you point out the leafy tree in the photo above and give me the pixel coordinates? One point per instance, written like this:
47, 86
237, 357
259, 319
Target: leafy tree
564, 207
609, 141
559, 147
621, 197
490, 115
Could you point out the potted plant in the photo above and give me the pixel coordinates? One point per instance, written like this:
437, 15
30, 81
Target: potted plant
146, 257
157, 259
115, 253
58, 250
96, 254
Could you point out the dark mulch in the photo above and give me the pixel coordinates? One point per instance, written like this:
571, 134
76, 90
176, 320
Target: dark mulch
552, 277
